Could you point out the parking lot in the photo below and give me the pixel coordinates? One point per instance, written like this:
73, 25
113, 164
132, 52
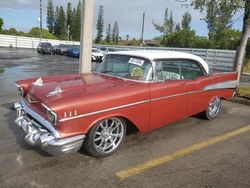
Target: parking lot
189, 153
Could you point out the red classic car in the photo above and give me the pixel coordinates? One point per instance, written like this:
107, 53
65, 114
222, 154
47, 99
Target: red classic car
144, 89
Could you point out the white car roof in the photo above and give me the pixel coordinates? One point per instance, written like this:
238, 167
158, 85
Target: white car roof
164, 54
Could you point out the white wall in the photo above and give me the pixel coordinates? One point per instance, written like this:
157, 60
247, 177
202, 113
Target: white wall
28, 42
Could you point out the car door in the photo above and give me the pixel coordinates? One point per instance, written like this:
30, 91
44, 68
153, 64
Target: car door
196, 78
168, 94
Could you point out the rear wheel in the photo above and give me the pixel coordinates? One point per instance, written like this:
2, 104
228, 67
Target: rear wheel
213, 109
106, 137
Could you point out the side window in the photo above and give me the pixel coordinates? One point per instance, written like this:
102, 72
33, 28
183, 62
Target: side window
168, 70
190, 70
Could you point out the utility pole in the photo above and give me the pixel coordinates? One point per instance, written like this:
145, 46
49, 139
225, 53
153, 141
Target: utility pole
142, 30
41, 19
86, 36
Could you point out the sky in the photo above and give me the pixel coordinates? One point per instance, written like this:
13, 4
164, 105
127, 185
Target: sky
23, 15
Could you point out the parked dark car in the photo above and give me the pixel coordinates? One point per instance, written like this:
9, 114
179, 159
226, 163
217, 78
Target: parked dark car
74, 51
54, 49
62, 49
45, 48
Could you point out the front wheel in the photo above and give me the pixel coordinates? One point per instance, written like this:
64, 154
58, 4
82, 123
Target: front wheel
106, 137
213, 109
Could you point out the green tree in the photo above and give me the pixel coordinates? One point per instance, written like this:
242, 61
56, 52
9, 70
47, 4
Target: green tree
115, 33
35, 32
218, 15
76, 25
72, 24
168, 26
12, 31
69, 20
108, 34
99, 25
228, 39
127, 37
56, 28
186, 21
60, 30
177, 27
233, 7
1, 24
203, 42
184, 38
50, 16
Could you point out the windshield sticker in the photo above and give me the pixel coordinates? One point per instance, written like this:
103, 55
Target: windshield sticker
136, 72
136, 61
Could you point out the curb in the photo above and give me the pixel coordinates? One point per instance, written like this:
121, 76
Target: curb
246, 73
240, 100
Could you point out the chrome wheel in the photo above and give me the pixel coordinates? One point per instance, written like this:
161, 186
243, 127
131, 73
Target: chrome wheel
212, 110
214, 107
105, 137
108, 135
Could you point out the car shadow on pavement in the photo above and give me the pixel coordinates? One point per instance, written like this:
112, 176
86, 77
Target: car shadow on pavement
17, 132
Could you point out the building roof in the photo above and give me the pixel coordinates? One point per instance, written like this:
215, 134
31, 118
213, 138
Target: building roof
164, 54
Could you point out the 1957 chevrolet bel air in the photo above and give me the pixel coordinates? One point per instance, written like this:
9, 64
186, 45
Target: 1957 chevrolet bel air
145, 89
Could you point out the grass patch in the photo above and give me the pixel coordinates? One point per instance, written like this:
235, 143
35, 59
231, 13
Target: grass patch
246, 67
244, 92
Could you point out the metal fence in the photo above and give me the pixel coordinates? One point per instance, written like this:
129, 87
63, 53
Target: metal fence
221, 60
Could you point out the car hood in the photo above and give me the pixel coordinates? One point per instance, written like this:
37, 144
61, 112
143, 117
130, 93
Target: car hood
74, 86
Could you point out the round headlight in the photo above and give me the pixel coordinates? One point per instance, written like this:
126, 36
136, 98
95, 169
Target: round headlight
51, 116
20, 91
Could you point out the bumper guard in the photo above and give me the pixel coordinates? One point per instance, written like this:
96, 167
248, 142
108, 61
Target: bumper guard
39, 132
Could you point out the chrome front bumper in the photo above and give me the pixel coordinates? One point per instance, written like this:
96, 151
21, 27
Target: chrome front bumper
39, 132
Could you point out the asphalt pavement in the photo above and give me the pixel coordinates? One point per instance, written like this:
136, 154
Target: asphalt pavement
225, 163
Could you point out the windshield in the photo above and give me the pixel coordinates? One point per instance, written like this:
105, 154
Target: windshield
46, 45
128, 67
111, 50
95, 50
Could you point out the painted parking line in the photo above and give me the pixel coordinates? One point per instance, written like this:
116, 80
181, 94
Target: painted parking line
140, 168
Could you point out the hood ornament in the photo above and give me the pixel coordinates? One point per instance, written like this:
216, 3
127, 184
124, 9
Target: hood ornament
57, 90
38, 82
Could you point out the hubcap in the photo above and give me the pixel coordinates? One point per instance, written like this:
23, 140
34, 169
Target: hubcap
214, 107
108, 135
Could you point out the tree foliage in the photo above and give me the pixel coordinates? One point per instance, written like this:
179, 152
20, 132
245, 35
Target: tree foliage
12, 31
221, 12
35, 32
50, 16
69, 21
168, 25
60, 26
115, 33
186, 21
99, 25
183, 38
1, 24
64, 26
218, 14
108, 34
76, 23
